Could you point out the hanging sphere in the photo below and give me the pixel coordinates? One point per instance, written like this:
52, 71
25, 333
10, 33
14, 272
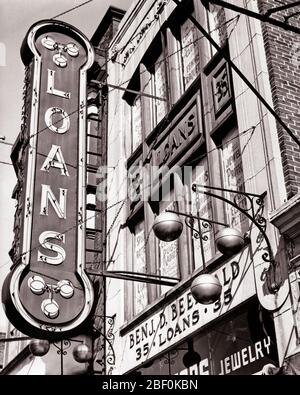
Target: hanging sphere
167, 226
82, 353
229, 241
39, 347
206, 288
191, 358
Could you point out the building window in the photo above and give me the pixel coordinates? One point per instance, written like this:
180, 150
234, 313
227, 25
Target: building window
140, 290
159, 89
90, 212
189, 52
168, 252
133, 115
136, 123
184, 53
155, 82
203, 204
216, 23
233, 178
135, 182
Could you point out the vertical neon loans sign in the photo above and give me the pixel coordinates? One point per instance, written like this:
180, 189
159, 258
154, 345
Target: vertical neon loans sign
49, 290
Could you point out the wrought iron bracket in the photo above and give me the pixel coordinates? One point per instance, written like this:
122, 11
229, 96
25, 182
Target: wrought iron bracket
205, 223
251, 205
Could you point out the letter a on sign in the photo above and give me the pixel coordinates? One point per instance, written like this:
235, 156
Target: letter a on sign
55, 159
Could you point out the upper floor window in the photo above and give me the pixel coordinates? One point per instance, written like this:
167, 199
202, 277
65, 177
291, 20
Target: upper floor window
155, 82
168, 262
136, 123
202, 206
189, 52
140, 293
184, 52
133, 115
216, 23
233, 176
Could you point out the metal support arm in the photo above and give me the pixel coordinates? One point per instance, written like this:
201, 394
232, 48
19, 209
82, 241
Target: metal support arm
133, 276
233, 65
282, 8
262, 17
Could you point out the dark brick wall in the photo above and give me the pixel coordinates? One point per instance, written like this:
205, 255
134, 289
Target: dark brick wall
283, 59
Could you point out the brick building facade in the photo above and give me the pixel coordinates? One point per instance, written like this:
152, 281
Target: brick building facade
282, 50
234, 142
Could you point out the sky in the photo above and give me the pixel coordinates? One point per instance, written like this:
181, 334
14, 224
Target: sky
16, 17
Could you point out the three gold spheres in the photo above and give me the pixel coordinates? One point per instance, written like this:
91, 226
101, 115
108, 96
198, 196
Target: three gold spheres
205, 288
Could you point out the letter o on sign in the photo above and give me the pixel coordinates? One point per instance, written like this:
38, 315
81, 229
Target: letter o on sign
65, 120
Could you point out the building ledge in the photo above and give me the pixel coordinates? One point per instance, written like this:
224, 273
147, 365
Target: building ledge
287, 218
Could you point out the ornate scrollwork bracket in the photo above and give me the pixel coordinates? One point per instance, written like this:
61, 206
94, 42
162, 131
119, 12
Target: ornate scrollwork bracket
251, 206
105, 346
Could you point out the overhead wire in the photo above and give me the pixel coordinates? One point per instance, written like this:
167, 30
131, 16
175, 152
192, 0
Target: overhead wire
5, 163
190, 163
163, 59
236, 18
71, 9
70, 228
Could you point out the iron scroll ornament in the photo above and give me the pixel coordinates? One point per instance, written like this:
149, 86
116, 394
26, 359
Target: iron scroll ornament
47, 293
250, 205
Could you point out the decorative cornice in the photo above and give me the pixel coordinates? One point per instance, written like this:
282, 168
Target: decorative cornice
287, 218
124, 53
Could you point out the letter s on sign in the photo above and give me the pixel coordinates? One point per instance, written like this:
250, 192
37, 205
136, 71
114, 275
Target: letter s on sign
61, 254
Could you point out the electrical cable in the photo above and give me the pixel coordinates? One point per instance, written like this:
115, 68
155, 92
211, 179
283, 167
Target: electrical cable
196, 159
162, 60
157, 63
242, 76
69, 229
246, 11
74, 112
72, 9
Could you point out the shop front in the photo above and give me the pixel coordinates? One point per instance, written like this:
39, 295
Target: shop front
241, 344
178, 336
